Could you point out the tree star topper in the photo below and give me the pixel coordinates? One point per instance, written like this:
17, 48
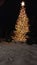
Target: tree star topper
22, 3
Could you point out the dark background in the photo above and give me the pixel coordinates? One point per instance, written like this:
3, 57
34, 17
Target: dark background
9, 13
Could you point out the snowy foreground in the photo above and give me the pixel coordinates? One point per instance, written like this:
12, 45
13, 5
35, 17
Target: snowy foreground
18, 54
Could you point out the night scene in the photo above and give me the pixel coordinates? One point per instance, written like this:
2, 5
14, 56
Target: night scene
18, 32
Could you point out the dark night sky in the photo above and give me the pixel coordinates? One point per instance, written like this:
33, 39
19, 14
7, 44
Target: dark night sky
10, 11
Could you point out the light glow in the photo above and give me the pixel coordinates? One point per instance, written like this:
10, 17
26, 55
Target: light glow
23, 3
22, 26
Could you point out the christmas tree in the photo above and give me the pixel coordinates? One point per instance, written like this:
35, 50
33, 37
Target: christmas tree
22, 26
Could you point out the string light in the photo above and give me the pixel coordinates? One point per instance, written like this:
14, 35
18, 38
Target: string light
21, 25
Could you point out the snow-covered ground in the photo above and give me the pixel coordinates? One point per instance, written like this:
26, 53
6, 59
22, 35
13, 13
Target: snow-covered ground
18, 54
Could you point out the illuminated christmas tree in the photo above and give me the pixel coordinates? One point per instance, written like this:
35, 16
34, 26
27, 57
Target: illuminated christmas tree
22, 26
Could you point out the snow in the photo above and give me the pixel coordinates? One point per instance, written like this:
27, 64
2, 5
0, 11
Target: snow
18, 54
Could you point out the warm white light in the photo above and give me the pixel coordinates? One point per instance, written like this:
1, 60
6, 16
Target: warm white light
23, 3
